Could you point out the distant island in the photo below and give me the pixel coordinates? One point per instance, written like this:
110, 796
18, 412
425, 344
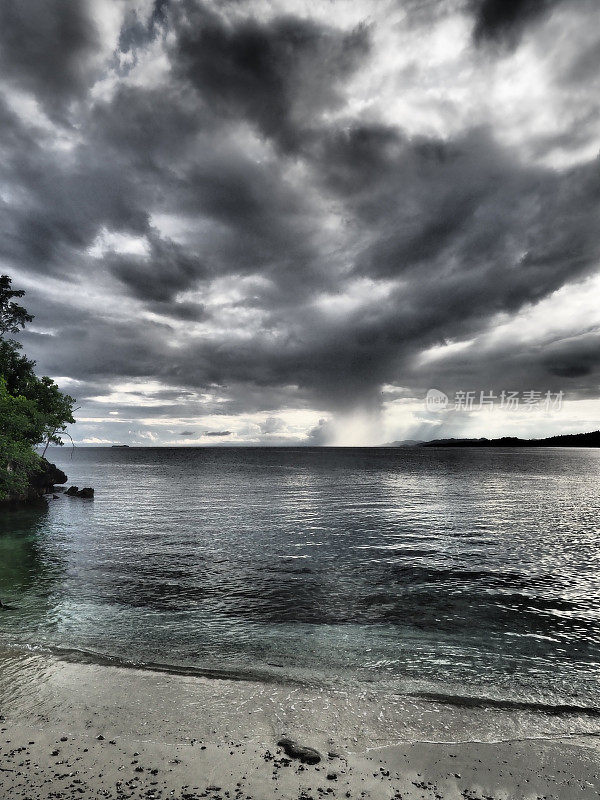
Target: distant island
567, 440
119, 445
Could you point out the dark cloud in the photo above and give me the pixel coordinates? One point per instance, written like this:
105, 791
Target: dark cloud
64, 205
575, 358
47, 47
569, 364
505, 19
240, 224
159, 11
277, 74
147, 127
137, 32
217, 433
584, 67
160, 275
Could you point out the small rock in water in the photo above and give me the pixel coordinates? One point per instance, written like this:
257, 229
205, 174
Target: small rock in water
87, 493
308, 755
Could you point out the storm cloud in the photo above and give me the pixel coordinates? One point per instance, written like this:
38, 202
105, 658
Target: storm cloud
501, 19
252, 222
48, 48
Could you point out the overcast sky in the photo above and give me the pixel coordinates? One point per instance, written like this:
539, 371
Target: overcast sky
284, 222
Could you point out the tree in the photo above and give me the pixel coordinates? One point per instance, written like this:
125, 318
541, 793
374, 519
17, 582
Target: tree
56, 409
33, 410
20, 423
13, 317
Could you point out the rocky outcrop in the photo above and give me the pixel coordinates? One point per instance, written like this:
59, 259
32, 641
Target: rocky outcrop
45, 481
87, 493
41, 482
48, 476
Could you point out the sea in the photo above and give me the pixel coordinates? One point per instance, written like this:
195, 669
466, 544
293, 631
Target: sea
460, 576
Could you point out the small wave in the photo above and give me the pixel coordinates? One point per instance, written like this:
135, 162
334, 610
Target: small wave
72, 655
559, 709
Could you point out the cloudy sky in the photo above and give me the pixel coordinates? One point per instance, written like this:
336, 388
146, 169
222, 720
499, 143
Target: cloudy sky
284, 221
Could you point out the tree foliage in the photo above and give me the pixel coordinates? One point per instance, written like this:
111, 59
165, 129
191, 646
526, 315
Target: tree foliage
20, 424
33, 410
13, 317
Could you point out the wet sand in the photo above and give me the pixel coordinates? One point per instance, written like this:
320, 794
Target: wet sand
81, 730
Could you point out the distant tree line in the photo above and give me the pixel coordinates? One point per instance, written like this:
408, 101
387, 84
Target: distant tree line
33, 411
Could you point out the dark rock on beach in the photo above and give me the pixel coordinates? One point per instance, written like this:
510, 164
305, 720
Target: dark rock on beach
308, 755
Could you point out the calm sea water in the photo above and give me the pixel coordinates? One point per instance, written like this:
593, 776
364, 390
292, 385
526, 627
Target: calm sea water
457, 573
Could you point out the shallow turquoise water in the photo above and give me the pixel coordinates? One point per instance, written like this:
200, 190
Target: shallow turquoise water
457, 573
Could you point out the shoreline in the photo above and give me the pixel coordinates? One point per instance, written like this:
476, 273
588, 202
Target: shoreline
262, 676
84, 730
377, 703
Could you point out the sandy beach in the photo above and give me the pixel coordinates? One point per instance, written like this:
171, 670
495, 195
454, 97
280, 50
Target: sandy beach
80, 730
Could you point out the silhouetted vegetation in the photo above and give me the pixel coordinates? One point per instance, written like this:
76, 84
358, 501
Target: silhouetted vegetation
33, 410
591, 439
